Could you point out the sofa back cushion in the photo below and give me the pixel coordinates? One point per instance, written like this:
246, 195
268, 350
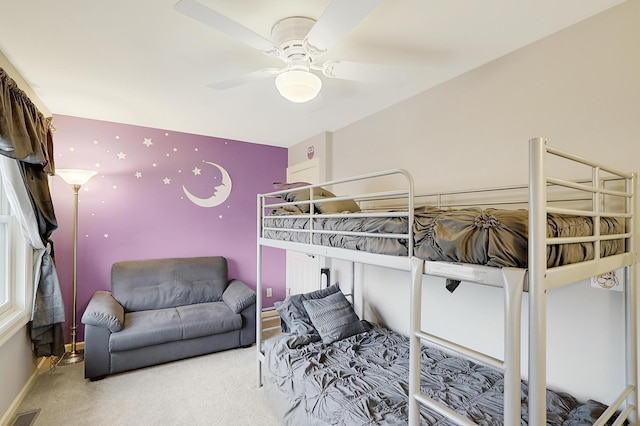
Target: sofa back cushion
142, 285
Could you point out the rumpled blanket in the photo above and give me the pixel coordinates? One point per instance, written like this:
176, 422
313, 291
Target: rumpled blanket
363, 380
491, 237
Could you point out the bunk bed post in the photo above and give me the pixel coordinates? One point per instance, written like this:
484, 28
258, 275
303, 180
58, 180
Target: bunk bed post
417, 269
537, 287
514, 279
259, 295
631, 305
631, 358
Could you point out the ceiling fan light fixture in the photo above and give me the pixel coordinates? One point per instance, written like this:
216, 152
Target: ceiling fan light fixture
298, 86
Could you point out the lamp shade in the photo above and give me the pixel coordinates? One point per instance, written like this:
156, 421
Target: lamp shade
76, 176
298, 86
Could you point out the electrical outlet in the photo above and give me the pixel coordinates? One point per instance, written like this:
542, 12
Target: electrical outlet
269, 292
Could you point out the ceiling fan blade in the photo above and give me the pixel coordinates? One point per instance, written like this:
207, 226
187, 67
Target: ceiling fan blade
339, 18
244, 78
369, 73
215, 20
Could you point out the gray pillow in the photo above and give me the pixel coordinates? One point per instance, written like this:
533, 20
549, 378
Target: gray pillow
326, 207
343, 206
279, 186
285, 210
293, 315
318, 194
333, 317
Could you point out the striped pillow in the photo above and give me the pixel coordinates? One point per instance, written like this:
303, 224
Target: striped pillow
333, 317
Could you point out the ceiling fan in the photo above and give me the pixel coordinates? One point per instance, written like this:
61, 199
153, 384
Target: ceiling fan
300, 42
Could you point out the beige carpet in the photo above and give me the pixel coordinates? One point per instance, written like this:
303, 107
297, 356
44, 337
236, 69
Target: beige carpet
216, 389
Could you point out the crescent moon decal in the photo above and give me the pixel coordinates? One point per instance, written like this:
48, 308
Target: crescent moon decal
220, 194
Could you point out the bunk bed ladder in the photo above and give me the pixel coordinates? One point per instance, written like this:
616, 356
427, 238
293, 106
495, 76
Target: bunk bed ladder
512, 280
417, 269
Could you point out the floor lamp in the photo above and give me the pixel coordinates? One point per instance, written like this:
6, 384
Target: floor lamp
76, 178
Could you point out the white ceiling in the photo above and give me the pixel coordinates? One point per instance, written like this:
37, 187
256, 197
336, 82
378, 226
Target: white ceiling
141, 62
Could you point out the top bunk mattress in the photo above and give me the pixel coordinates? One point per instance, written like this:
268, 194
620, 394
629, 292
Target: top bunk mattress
490, 237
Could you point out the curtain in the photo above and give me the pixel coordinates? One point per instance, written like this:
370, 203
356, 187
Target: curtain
26, 160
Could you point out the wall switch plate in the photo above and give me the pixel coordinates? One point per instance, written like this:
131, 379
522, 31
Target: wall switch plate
269, 292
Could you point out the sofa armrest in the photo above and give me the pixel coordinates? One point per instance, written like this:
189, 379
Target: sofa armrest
238, 296
104, 311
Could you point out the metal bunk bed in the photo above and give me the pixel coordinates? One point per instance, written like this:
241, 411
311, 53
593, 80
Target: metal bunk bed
536, 278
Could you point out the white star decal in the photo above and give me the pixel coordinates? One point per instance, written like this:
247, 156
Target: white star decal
166, 181
106, 235
121, 155
117, 137
196, 171
147, 142
138, 175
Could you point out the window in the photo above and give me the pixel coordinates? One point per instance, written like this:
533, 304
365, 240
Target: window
16, 288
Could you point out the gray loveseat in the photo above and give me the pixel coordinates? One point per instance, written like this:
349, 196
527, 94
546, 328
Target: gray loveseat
163, 310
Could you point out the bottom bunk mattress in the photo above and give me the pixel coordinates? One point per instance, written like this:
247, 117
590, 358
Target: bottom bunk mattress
363, 380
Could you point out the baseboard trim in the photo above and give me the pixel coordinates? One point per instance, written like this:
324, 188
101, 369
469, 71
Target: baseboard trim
44, 364
13, 408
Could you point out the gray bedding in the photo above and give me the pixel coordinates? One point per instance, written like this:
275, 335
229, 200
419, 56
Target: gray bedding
489, 237
363, 380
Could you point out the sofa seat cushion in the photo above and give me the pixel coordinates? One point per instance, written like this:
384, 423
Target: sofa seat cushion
155, 327
146, 328
204, 319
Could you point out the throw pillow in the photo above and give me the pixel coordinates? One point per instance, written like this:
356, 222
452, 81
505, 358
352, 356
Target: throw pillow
318, 194
293, 315
333, 317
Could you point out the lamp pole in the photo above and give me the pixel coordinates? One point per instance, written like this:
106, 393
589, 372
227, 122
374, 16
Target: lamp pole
74, 355
76, 178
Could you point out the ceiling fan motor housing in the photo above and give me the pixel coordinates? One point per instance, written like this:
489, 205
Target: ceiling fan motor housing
289, 34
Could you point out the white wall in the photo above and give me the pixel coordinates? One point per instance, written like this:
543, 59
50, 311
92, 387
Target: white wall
17, 366
320, 146
580, 88
22, 84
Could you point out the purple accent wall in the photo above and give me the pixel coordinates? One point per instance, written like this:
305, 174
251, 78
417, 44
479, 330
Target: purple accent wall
138, 205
